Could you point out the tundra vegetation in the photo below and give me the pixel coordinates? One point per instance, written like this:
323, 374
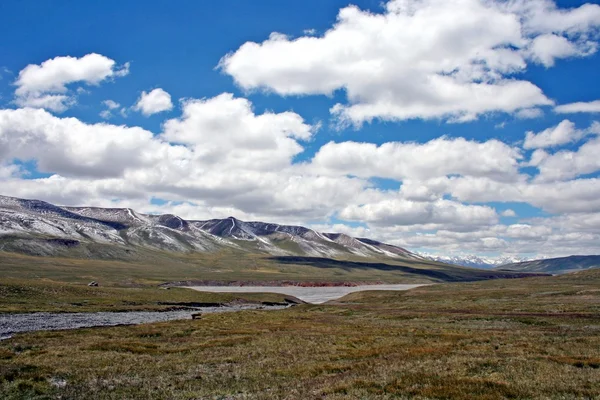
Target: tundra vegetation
534, 337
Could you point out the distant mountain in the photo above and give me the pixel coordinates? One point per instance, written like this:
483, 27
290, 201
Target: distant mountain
38, 228
555, 265
475, 261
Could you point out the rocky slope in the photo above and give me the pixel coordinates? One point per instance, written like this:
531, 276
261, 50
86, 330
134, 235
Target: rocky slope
39, 228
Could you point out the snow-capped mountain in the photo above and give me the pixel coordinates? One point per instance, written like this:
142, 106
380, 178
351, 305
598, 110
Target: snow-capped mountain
560, 265
40, 228
475, 261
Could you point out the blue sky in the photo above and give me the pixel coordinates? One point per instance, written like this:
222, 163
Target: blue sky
433, 90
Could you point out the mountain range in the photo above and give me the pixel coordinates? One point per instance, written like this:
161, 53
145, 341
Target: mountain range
558, 265
39, 228
475, 261
122, 245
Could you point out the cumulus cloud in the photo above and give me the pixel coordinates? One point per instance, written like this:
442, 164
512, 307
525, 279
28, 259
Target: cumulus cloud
564, 132
568, 164
579, 107
440, 213
509, 213
110, 105
421, 59
564, 164
580, 195
72, 148
436, 158
45, 85
228, 158
545, 49
154, 102
225, 130
221, 158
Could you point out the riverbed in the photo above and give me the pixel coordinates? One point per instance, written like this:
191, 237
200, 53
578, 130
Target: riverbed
313, 295
43, 321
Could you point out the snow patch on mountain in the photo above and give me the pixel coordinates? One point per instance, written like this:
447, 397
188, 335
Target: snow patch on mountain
40, 222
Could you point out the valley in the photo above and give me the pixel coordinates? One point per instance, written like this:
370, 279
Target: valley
120, 247
451, 332
520, 338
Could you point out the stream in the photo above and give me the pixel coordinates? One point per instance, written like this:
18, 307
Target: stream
43, 321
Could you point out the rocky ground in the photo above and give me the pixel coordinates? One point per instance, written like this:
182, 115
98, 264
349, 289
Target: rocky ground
30, 322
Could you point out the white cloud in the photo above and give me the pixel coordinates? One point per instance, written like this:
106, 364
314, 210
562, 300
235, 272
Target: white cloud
226, 131
529, 113
543, 16
545, 49
421, 58
53, 102
72, 148
579, 107
45, 85
220, 157
569, 164
436, 158
111, 104
232, 160
509, 213
565, 164
106, 114
154, 102
563, 133
398, 211
557, 197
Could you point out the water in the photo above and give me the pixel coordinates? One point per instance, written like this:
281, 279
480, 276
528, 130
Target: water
28, 322
314, 295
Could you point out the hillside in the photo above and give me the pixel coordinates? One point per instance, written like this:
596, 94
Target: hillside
121, 246
38, 228
555, 265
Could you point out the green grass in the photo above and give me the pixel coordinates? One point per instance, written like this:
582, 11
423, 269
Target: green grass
522, 338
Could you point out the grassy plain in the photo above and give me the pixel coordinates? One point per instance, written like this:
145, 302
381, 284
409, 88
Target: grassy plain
154, 267
21, 295
519, 338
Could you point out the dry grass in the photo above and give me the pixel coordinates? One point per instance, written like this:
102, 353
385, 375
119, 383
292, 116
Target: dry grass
21, 295
531, 338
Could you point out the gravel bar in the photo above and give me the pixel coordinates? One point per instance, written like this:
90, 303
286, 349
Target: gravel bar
43, 321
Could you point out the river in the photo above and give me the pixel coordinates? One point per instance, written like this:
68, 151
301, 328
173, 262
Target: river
314, 295
43, 321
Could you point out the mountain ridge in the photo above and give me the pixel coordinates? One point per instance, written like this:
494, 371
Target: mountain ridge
558, 265
35, 221
475, 261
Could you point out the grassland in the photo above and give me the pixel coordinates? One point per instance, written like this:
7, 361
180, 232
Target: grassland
155, 267
20, 295
520, 338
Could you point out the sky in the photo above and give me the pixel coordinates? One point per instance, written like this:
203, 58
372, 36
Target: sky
450, 127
